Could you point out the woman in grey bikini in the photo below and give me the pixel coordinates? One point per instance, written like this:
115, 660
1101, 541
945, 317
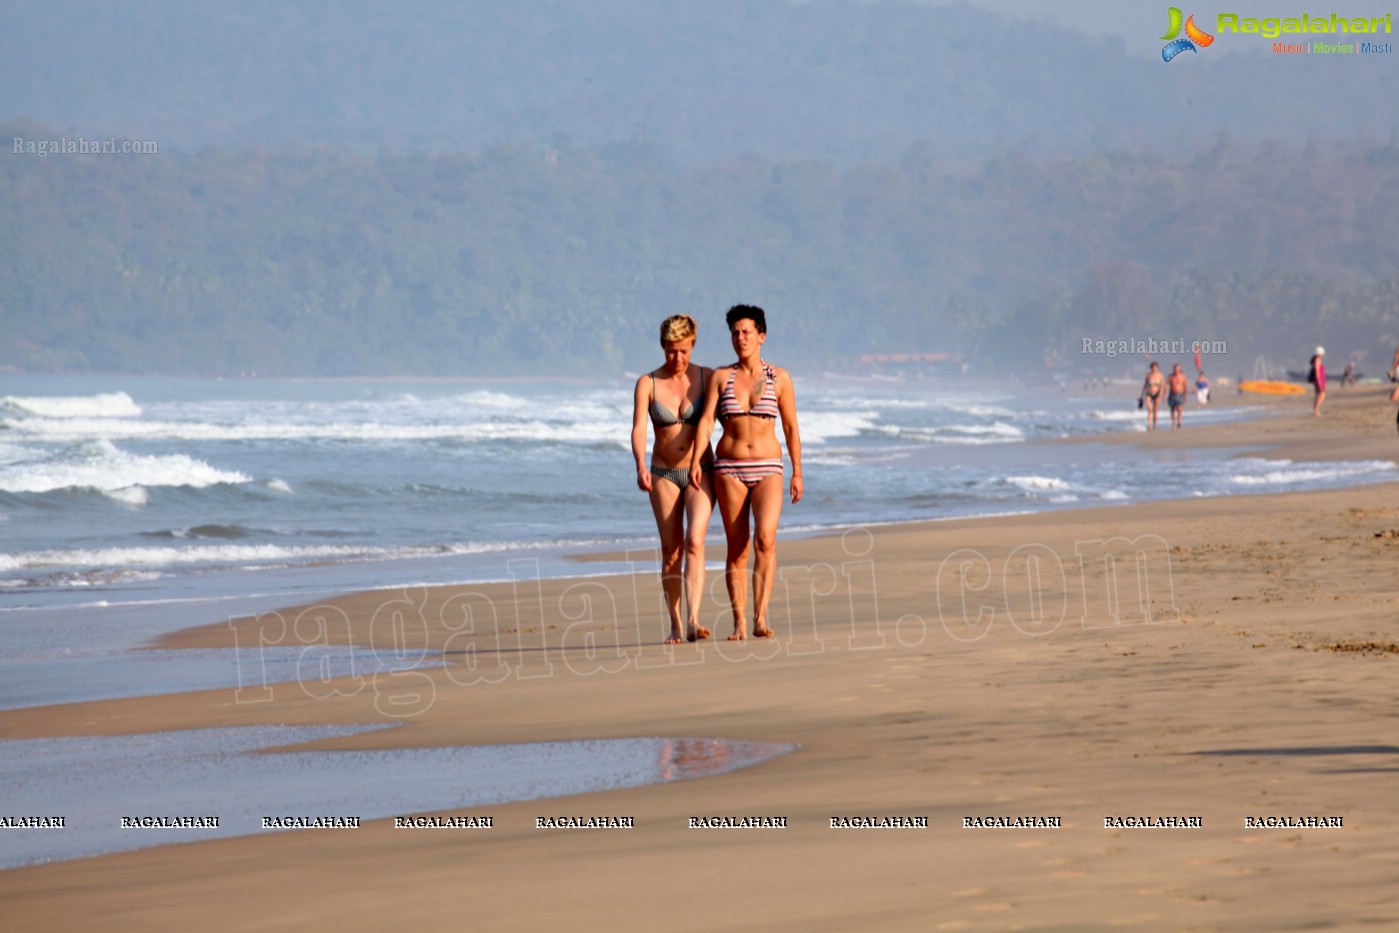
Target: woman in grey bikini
1151, 394
670, 397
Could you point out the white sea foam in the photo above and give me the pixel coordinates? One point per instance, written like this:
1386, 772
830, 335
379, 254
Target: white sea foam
484, 416
74, 430
817, 427
1039, 483
965, 439
1284, 472
995, 433
105, 405
995, 429
974, 406
12, 453
988, 411
171, 556
1115, 415
129, 495
251, 555
101, 465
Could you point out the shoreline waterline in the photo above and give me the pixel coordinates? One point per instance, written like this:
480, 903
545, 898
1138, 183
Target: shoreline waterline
150, 489
102, 791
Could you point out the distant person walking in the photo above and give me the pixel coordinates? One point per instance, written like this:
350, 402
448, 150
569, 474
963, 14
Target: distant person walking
1317, 377
1176, 388
1151, 394
747, 397
1202, 389
682, 500
1394, 376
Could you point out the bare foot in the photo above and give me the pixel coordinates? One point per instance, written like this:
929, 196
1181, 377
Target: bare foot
738, 635
762, 631
675, 638
699, 633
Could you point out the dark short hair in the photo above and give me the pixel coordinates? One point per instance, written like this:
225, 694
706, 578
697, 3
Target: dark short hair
747, 312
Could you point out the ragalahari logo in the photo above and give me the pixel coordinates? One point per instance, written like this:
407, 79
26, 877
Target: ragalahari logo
1193, 36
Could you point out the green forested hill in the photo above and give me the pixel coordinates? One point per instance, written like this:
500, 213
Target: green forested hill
561, 259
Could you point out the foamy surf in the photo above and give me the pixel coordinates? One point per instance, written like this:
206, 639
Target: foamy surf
98, 464
360, 484
101, 405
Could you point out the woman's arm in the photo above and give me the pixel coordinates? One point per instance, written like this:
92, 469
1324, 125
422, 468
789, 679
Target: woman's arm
787, 408
641, 401
705, 428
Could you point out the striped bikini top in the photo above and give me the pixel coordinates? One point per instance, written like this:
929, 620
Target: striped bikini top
764, 407
663, 417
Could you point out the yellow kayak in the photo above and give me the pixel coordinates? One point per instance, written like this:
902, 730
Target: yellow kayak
1272, 388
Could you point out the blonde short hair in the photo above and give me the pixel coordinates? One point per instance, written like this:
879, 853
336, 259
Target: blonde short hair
676, 328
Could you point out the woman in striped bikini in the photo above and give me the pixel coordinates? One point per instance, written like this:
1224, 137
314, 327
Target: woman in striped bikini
671, 395
747, 398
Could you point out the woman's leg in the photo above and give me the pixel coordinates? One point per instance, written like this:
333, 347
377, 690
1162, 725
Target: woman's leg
666, 503
766, 499
699, 505
733, 509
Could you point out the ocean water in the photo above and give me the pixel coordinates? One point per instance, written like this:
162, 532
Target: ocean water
132, 507
92, 782
125, 491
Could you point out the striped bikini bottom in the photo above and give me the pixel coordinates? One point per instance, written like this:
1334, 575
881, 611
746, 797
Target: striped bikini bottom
748, 472
680, 476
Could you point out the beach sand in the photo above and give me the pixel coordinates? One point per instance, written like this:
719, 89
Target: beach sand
969, 670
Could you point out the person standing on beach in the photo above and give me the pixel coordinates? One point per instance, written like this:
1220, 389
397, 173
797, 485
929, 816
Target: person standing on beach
1176, 387
1317, 377
747, 397
682, 503
1151, 394
1202, 388
1394, 377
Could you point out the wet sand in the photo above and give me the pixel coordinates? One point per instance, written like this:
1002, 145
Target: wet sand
1209, 661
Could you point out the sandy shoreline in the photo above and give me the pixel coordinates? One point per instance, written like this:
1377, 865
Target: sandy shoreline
948, 671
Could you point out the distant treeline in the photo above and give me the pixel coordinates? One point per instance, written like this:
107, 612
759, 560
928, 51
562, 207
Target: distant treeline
562, 260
